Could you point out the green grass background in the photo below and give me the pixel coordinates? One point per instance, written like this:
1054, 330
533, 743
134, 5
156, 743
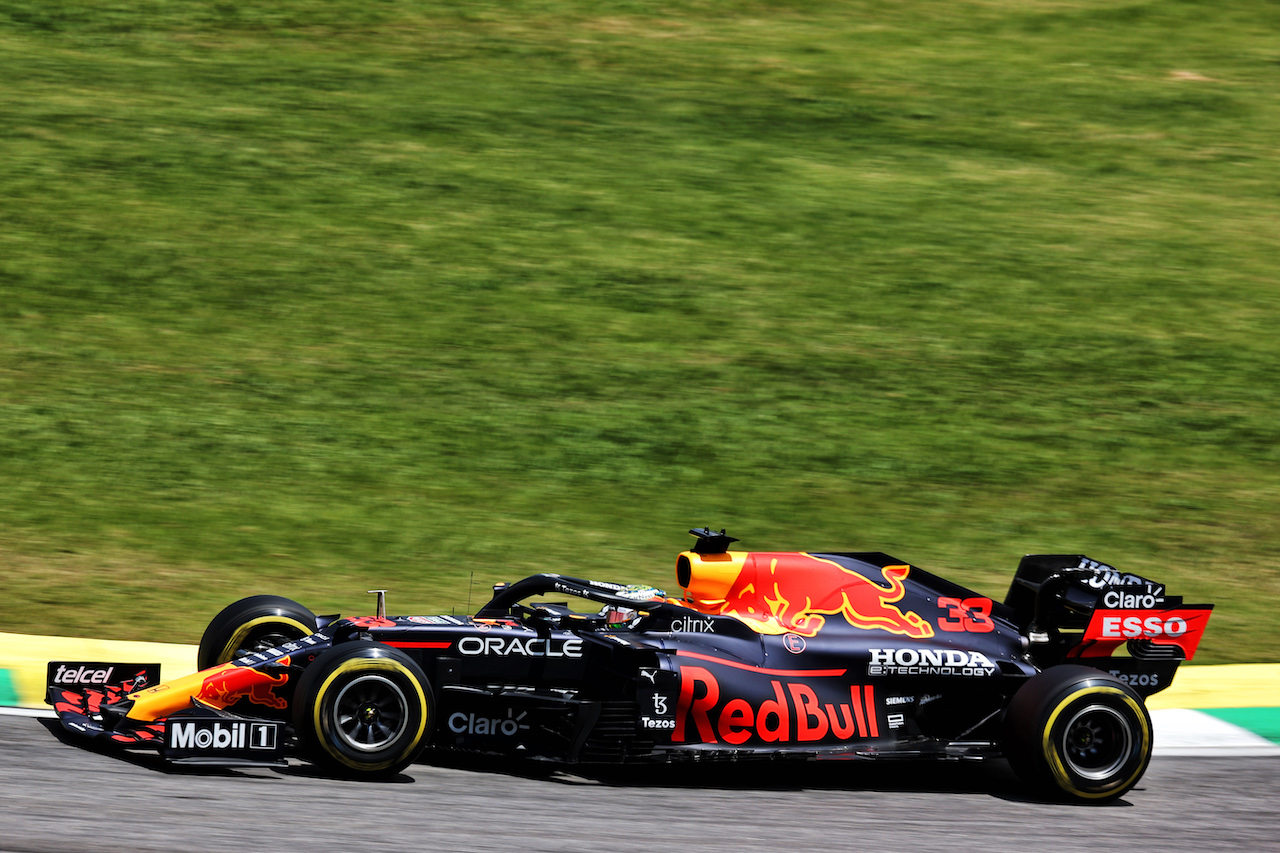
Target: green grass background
317, 297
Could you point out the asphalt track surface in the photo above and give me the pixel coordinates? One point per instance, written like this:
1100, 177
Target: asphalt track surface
59, 797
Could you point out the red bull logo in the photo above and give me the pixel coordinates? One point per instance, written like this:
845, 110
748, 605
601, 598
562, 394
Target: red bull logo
796, 592
228, 684
794, 714
221, 687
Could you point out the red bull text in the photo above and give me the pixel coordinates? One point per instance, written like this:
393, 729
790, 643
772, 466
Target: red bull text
795, 713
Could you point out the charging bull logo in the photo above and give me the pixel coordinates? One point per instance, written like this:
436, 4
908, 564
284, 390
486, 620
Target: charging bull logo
228, 684
781, 593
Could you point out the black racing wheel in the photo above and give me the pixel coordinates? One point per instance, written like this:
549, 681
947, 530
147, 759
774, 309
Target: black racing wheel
253, 624
364, 709
1078, 732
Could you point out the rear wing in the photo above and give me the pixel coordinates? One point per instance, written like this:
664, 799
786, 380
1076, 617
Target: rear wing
1073, 608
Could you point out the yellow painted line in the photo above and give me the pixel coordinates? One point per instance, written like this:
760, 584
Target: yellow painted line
1235, 685
27, 656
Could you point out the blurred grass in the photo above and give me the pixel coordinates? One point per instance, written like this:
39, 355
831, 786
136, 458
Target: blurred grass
312, 298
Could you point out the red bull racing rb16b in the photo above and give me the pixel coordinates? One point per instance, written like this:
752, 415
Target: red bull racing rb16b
762, 655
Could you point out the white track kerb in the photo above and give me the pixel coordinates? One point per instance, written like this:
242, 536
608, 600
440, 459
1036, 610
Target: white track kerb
1181, 731
1182, 726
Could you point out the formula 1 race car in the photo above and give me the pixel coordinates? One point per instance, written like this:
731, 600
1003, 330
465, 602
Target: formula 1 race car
763, 655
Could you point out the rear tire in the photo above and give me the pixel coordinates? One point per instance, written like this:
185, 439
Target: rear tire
253, 624
1078, 732
363, 709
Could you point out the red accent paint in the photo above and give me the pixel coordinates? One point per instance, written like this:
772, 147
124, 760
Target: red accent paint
786, 673
774, 709
972, 615
1178, 626
405, 644
873, 723
371, 622
696, 707
855, 694
842, 724
736, 721
811, 723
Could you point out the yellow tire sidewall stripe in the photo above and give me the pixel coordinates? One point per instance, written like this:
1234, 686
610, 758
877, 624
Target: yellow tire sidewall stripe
243, 631
1055, 762
371, 665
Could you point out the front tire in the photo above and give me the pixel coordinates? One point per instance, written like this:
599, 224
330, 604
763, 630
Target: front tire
363, 709
1078, 732
253, 624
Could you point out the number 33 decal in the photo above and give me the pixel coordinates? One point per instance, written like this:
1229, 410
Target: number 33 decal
971, 614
